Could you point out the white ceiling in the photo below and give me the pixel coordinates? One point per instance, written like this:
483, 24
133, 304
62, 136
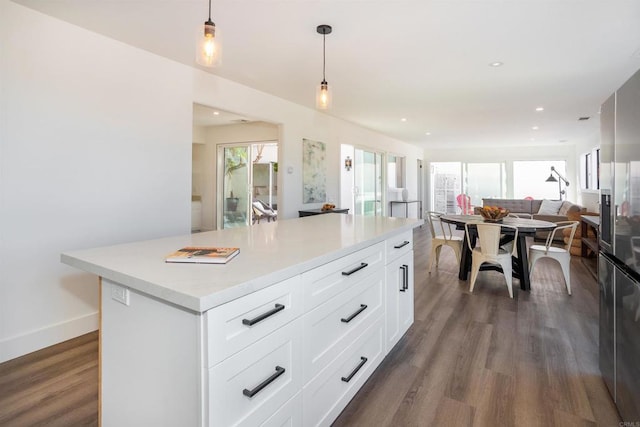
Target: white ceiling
423, 60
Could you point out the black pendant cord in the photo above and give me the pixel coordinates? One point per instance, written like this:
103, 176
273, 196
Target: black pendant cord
324, 47
209, 10
324, 30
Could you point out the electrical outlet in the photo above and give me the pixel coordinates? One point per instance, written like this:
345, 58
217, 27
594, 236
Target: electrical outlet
120, 294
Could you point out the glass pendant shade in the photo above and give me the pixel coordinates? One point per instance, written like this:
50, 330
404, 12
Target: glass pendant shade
323, 96
208, 50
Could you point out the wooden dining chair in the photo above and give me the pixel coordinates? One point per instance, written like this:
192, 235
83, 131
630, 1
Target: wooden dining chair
561, 254
442, 235
488, 250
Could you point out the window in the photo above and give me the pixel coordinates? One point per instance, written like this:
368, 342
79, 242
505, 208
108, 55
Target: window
446, 185
530, 179
590, 170
484, 180
475, 180
395, 171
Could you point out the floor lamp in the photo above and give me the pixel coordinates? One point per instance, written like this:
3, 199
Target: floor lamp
559, 181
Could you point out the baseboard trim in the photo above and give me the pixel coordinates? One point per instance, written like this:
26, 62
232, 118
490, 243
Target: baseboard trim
19, 345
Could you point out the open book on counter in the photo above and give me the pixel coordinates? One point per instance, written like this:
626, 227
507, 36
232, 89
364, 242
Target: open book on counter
203, 255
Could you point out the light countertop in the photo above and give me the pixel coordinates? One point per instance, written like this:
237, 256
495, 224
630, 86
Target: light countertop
269, 253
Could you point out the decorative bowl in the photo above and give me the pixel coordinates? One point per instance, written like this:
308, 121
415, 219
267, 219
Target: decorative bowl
493, 213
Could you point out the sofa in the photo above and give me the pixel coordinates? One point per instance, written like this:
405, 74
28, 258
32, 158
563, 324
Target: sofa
544, 210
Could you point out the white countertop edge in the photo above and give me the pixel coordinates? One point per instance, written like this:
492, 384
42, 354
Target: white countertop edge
214, 299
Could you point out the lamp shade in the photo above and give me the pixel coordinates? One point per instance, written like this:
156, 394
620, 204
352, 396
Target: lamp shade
551, 178
208, 45
323, 96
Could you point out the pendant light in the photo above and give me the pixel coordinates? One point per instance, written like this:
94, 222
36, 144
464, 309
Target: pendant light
208, 51
323, 96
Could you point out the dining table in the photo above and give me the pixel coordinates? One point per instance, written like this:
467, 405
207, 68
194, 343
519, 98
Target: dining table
526, 228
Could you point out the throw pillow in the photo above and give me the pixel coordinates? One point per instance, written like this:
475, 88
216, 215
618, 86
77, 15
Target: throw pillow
550, 207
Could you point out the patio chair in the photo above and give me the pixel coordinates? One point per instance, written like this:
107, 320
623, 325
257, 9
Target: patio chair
262, 210
443, 236
560, 254
489, 251
464, 203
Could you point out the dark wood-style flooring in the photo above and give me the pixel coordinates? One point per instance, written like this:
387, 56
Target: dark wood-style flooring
470, 359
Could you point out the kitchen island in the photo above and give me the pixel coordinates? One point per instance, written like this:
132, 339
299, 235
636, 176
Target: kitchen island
288, 330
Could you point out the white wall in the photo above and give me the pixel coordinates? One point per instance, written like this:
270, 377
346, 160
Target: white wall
95, 149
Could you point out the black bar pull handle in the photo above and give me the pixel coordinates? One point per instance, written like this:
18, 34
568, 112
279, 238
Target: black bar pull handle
402, 245
358, 268
250, 393
362, 308
363, 360
404, 278
260, 318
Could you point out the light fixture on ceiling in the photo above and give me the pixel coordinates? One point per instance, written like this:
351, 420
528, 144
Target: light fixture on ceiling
560, 181
539, 108
208, 50
496, 64
323, 96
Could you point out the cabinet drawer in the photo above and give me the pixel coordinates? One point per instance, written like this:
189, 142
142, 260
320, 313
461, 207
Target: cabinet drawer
398, 245
289, 414
250, 386
326, 396
332, 326
239, 323
326, 281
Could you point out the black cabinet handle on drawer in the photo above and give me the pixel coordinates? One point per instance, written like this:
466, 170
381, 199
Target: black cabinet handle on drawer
250, 393
260, 318
402, 245
358, 268
362, 308
363, 360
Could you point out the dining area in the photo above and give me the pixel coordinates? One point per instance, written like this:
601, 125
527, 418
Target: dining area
505, 244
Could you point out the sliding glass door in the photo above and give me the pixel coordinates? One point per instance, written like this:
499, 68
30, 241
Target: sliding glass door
235, 186
368, 183
246, 172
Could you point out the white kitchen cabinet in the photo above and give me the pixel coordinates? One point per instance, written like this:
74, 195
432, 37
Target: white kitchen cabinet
331, 390
248, 387
284, 334
399, 299
332, 326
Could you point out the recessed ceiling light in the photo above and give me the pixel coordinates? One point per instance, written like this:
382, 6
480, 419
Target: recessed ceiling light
496, 64
532, 139
535, 127
539, 108
216, 113
403, 119
427, 133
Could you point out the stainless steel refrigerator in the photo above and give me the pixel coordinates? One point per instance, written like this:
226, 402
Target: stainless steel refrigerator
619, 258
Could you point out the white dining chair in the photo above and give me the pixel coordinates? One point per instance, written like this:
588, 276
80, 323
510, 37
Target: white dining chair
488, 250
442, 235
560, 254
